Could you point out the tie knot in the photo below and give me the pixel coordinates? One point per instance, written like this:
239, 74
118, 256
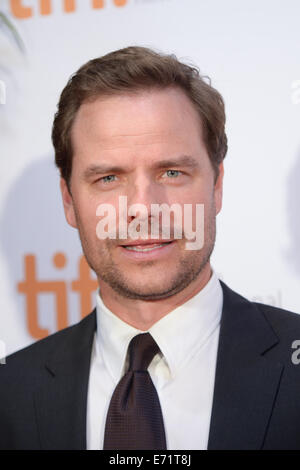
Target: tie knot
142, 348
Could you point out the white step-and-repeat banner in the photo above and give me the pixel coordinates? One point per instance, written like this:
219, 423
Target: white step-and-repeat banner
251, 51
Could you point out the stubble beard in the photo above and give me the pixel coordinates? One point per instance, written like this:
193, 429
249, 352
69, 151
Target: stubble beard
188, 268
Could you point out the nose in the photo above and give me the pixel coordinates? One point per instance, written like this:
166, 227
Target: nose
143, 192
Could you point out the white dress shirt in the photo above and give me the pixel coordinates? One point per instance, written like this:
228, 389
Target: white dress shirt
183, 373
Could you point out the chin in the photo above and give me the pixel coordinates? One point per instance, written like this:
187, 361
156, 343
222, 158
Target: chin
152, 290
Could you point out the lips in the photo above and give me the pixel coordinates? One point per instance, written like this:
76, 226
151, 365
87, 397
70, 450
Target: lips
147, 250
145, 245
146, 242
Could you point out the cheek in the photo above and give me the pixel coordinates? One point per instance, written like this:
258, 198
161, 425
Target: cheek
196, 197
86, 214
198, 210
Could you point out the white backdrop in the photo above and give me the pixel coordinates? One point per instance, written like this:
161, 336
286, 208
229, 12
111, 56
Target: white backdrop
251, 51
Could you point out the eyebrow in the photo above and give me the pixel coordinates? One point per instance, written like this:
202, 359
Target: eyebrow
183, 161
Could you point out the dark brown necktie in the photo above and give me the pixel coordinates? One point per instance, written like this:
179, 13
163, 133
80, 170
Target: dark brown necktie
134, 419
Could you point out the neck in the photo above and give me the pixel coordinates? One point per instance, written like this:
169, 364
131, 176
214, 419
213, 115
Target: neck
142, 314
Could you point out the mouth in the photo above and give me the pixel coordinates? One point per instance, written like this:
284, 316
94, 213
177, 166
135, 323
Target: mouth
144, 249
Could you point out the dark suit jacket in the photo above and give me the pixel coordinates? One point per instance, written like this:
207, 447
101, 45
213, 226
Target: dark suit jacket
256, 403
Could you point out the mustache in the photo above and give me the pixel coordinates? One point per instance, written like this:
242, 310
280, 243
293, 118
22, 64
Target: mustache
140, 231
164, 223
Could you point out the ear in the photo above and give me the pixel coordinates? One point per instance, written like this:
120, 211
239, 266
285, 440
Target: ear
219, 189
68, 203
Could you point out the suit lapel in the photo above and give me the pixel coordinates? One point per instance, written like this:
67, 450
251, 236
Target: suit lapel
61, 399
246, 382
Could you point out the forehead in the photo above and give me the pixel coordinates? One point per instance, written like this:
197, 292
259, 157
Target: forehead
143, 117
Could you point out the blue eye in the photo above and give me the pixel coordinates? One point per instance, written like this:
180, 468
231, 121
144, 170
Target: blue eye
173, 173
107, 179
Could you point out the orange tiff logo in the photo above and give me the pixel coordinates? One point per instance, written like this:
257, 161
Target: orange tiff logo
19, 10
31, 287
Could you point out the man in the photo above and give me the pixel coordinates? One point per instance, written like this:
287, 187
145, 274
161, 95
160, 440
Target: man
170, 358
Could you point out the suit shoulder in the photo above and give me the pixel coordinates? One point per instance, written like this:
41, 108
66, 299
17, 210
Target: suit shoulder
37, 352
283, 321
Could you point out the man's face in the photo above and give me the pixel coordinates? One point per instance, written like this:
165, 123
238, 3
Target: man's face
135, 145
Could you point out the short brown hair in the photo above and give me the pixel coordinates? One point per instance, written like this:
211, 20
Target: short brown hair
133, 69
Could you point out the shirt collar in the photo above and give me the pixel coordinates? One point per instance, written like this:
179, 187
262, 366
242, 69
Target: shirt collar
179, 334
